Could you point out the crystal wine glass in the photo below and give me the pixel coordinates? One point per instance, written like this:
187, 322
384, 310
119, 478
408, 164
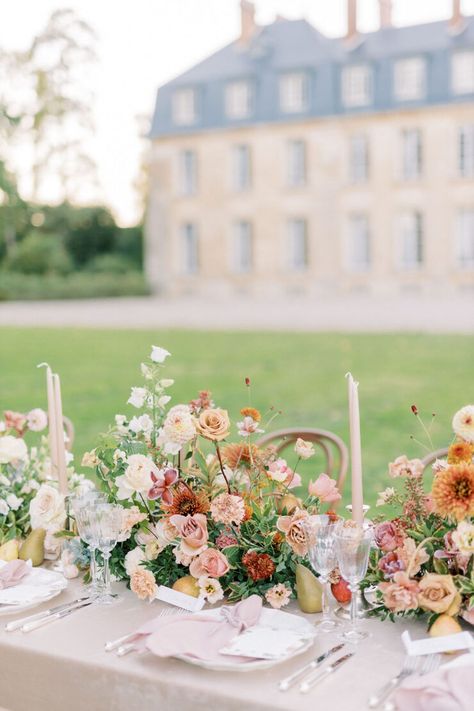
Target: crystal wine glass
320, 530
80, 507
106, 526
353, 543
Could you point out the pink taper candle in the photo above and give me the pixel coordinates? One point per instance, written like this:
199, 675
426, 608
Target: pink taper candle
356, 453
62, 473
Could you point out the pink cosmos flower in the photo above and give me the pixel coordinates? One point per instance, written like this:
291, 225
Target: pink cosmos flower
162, 481
248, 426
325, 489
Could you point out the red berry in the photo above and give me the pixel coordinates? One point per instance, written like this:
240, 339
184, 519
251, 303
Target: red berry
341, 591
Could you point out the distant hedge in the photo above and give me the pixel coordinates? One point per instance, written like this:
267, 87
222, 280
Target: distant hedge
80, 285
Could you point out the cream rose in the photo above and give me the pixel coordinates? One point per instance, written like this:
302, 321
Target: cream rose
133, 560
47, 509
137, 478
12, 449
214, 424
463, 537
438, 593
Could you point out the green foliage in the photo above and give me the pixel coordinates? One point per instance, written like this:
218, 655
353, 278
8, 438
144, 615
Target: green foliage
92, 231
129, 244
40, 254
81, 285
110, 264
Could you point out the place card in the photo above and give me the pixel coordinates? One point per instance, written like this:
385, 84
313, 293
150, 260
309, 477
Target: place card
437, 645
179, 599
264, 643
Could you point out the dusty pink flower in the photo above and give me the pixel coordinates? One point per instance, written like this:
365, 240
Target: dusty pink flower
142, 583
228, 509
452, 554
412, 560
325, 489
401, 594
279, 470
210, 562
278, 596
294, 530
388, 536
292, 481
15, 421
224, 540
402, 466
193, 532
162, 481
468, 615
391, 563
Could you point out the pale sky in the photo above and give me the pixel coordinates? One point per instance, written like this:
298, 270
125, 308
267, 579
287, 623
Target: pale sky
144, 43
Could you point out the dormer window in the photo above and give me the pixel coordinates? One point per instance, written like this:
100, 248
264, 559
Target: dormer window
357, 86
185, 107
238, 99
294, 92
410, 79
462, 72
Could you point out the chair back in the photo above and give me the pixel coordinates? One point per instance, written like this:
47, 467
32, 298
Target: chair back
333, 448
430, 458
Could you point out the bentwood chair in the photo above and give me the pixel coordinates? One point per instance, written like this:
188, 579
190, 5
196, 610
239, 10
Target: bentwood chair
69, 429
334, 450
430, 458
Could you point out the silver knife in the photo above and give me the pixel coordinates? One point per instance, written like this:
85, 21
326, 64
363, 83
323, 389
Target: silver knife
320, 675
16, 624
285, 684
30, 626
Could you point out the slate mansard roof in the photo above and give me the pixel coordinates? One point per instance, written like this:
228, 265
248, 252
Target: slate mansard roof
295, 45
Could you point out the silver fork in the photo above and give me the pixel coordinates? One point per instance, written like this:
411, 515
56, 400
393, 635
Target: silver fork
429, 663
409, 667
127, 644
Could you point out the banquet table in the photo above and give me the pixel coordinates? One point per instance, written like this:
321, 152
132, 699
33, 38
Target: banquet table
64, 667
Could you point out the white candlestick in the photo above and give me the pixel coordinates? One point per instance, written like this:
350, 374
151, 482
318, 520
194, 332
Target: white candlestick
62, 474
356, 451
52, 430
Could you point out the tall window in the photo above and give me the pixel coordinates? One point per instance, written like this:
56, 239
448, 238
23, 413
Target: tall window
188, 172
294, 92
410, 79
359, 243
184, 107
296, 166
241, 168
466, 239
238, 99
190, 248
297, 245
242, 247
357, 85
462, 72
466, 151
411, 240
359, 158
412, 154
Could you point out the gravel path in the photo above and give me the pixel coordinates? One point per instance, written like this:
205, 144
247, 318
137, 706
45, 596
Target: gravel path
357, 313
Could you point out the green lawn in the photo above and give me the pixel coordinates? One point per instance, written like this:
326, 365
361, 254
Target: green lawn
301, 374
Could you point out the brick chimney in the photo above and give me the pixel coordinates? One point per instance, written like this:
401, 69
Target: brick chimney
385, 7
456, 17
248, 25
351, 19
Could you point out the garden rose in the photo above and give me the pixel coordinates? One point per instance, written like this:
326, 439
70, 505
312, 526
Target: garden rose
47, 509
210, 562
439, 594
12, 449
325, 489
178, 429
137, 478
304, 449
193, 532
293, 528
214, 424
388, 536
37, 419
133, 559
401, 594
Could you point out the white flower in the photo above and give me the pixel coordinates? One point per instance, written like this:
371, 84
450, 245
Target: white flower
439, 465
385, 496
4, 480
146, 371
47, 509
4, 509
119, 456
133, 560
144, 423
12, 449
80, 485
210, 589
138, 397
3, 426
163, 400
37, 420
14, 502
137, 478
463, 537
178, 428
90, 459
120, 421
182, 558
159, 355
69, 457
248, 426
166, 383
463, 423
304, 449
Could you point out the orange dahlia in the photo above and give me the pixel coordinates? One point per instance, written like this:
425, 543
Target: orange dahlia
453, 491
460, 452
186, 502
251, 412
235, 455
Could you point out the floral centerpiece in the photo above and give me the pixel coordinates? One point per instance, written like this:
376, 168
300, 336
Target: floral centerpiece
205, 508
423, 563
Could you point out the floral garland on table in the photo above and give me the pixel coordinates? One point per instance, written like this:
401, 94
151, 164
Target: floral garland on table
29, 496
215, 523
424, 557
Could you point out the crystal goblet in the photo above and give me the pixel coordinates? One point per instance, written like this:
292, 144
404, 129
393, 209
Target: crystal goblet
106, 522
320, 530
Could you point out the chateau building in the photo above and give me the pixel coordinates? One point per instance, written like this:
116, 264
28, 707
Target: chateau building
292, 162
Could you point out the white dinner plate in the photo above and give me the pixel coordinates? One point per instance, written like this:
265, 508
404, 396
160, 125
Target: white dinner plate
40, 585
274, 619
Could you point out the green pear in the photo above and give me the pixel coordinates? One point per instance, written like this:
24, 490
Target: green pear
309, 590
32, 547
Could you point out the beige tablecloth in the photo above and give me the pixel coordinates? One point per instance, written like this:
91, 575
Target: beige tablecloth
63, 667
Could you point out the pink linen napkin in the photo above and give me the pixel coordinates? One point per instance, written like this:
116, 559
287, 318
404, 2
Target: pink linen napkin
450, 688
201, 636
12, 573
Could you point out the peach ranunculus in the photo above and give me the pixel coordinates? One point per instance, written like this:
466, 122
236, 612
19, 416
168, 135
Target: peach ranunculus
214, 424
412, 556
439, 594
142, 583
325, 489
210, 562
294, 530
304, 449
401, 594
193, 532
402, 466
